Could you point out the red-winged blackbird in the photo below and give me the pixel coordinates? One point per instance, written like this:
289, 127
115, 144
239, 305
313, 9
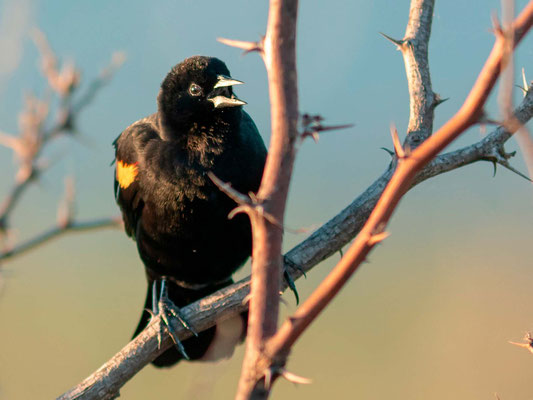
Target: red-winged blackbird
177, 216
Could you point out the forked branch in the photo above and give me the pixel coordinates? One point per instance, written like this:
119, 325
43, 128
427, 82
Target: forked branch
402, 179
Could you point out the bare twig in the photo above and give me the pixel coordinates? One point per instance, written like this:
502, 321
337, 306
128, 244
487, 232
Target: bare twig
63, 80
55, 232
117, 59
34, 135
12, 198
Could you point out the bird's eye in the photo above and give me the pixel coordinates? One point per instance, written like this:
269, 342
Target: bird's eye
195, 90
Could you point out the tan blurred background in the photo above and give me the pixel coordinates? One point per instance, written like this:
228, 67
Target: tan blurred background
429, 317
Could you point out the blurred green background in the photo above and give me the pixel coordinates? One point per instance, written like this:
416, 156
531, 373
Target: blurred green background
431, 314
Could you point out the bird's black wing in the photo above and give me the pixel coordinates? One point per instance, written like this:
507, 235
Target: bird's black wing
251, 133
128, 156
253, 156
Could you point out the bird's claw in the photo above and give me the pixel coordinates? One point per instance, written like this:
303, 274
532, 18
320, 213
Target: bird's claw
288, 278
164, 307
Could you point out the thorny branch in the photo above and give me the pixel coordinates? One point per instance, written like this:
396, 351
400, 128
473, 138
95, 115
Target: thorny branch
373, 231
35, 134
279, 54
327, 240
414, 47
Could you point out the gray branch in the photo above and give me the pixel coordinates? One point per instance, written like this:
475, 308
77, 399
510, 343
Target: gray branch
56, 231
415, 56
414, 48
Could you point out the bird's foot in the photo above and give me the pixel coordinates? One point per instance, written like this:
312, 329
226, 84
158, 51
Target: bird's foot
288, 263
165, 308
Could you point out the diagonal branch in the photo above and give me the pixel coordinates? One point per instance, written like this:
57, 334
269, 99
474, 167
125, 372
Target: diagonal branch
56, 231
9, 203
403, 178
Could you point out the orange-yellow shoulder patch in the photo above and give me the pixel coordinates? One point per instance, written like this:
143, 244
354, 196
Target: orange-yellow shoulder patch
126, 173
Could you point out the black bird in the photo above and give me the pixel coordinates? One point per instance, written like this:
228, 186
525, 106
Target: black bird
172, 209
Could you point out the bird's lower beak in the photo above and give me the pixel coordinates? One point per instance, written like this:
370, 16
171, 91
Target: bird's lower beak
219, 99
223, 101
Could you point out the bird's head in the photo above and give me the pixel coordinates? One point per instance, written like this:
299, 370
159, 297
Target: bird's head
197, 90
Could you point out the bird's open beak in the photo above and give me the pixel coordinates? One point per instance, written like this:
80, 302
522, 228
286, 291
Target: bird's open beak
221, 101
223, 81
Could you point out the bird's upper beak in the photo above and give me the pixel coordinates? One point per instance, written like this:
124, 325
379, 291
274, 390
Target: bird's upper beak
223, 81
221, 101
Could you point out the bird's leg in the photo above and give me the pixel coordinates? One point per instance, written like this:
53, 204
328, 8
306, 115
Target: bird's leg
155, 311
166, 307
288, 278
169, 306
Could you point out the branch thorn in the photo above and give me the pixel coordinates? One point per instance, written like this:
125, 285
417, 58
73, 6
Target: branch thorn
294, 378
499, 156
246, 299
400, 153
398, 43
437, 100
249, 205
391, 153
485, 119
10, 141
274, 370
512, 169
268, 378
238, 210
496, 26
525, 88
377, 238
239, 198
529, 345
248, 47
312, 126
